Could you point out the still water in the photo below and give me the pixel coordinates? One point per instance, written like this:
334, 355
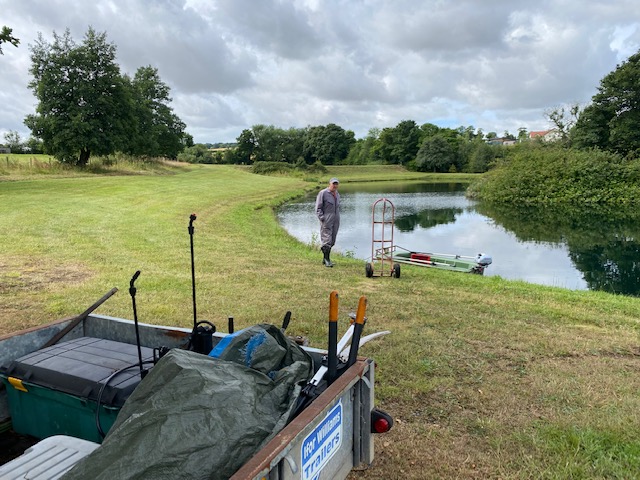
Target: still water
576, 250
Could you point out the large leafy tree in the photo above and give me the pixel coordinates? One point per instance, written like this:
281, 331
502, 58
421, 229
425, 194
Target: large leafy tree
157, 130
436, 154
292, 145
612, 120
246, 145
399, 145
328, 144
83, 103
266, 143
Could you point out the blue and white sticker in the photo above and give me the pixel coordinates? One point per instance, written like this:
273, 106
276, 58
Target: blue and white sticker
322, 443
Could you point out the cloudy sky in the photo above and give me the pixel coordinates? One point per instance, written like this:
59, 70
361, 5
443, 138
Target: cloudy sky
493, 64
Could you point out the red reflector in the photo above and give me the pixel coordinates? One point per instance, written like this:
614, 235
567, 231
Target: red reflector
381, 425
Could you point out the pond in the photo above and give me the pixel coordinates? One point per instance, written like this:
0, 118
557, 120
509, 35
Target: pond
575, 249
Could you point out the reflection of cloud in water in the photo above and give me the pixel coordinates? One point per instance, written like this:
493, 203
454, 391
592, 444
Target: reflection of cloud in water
470, 234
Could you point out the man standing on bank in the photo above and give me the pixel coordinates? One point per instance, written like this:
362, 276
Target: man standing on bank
328, 212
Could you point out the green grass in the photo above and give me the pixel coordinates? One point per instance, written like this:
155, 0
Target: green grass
487, 378
14, 166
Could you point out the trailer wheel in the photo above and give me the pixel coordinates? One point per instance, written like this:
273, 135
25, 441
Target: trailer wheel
396, 270
368, 270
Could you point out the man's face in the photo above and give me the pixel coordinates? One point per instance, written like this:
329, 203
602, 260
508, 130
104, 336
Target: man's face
333, 187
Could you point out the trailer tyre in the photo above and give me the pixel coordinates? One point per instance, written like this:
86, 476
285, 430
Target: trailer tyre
368, 270
396, 270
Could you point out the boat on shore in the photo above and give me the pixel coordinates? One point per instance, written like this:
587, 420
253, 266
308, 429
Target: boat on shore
442, 261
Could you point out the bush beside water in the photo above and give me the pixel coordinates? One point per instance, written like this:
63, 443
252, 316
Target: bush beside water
551, 175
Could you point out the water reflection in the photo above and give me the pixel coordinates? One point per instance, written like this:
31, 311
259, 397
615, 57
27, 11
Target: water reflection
602, 243
576, 249
427, 218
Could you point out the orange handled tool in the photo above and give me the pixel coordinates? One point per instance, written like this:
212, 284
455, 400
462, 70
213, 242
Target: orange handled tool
357, 331
332, 355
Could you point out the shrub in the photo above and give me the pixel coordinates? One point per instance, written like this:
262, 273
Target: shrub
547, 175
267, 168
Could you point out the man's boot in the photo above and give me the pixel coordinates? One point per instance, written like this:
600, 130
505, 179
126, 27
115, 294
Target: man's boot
326, 249
328, 261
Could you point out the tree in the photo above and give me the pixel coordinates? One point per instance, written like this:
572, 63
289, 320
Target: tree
436, 154
34, 145
196, 154
480, 157
246, 145
522, 134
13, 141
563, 119
612, 120
592, 128
363, 151
399, 145
83, 103
292, 145
187, 140
328, 145
428, 130
468, 133
158, 131
6, 36
268, 142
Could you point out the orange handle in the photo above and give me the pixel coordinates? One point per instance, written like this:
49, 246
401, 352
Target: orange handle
362, 308
333, 306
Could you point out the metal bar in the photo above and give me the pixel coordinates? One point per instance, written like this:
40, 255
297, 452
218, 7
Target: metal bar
79, 318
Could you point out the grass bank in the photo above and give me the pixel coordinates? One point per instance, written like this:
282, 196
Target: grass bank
22, 166
487, 378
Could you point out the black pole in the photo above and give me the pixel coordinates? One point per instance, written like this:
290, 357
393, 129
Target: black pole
192, 218
285, 321
132, 292
332, 352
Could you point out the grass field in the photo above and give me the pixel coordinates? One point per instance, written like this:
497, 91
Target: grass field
486, 378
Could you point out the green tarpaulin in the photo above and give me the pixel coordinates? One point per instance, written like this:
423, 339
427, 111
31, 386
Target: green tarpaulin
199, 417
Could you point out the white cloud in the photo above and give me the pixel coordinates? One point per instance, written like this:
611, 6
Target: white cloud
232, 64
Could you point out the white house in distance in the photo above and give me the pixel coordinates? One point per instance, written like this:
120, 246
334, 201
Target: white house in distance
545, 135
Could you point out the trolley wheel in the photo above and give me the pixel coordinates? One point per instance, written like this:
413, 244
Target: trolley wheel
368, 270
396, 270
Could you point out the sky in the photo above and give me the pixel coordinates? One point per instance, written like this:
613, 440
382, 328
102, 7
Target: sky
495, 65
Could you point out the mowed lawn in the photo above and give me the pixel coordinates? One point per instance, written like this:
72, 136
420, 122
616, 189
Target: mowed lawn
486, 378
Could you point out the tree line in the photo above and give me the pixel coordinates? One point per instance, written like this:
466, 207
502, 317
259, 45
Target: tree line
86, 106
609, 124
427, 148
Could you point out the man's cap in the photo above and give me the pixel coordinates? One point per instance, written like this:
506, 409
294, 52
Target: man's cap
334, 180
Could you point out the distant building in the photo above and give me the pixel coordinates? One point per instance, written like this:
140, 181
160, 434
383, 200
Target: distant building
501, 141
4, 149
545, 135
